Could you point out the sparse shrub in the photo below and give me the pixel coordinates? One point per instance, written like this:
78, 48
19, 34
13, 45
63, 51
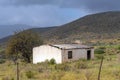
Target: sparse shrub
7, 78
2, 61
112, 51
40, 70
88, 75
117, 74
63, 66
102, 47
12, 78
46, 61
30, 74
99, 51
71, 76
118, 39
81, 65
83, 60
52, 61
99, 56
44, 65
57, 76
109, 59
119, 47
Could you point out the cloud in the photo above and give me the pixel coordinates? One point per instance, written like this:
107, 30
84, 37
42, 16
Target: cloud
102, 5
93, 5
34, 2
35, 16
28, 2
90, 5
50, 12
38, 15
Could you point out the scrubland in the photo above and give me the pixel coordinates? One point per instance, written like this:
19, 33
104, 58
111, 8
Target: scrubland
76, 70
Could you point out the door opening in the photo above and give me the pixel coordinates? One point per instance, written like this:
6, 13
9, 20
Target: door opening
88, 54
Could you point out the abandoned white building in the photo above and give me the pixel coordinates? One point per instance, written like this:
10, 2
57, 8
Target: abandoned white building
62, 52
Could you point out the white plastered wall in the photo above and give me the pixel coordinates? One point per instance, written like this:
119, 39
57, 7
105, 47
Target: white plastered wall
44, 52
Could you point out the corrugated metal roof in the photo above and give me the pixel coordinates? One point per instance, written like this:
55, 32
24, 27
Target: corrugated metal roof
71, 46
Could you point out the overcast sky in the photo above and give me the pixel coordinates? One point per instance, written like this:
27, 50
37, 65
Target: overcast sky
44, 13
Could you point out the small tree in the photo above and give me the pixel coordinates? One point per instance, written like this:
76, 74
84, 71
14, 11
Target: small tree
22, 43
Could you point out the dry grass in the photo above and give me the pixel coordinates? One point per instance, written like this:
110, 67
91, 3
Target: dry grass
110, 70
77, 70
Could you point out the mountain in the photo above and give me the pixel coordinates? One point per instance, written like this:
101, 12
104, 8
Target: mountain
96, 26
42, 30
104, 25
38, 30
6, 30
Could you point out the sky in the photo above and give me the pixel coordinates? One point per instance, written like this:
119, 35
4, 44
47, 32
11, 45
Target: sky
45, 13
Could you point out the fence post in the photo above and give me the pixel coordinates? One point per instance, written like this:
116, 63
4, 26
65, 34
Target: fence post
17, 71
100, 68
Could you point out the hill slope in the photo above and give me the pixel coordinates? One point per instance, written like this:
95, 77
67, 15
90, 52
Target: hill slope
104, 25
95, 26
42, 30
38, 30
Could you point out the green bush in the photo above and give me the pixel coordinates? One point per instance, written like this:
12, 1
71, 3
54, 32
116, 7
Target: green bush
2, 61
102, 47
99, 51
30, 74
52, 61
119, 47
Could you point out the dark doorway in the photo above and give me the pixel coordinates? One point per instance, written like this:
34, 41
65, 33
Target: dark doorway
88, 54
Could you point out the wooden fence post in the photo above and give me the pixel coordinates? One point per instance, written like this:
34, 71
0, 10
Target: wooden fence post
17, 71
100, 68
